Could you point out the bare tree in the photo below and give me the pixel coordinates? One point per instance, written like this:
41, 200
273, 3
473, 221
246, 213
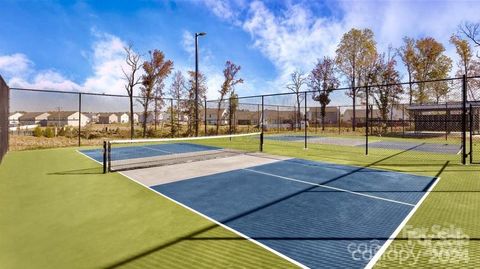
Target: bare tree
357, 49
132, 79
177, 92
298, 79
472, 32
407, 54
202, 94
322, 80
156, 70
230, 80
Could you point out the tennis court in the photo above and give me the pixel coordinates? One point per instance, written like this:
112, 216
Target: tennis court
313, 214
360, 142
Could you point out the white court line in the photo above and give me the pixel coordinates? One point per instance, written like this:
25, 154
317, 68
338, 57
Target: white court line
332, 188
392, 237
220, 224
88, 157
157, 149
210, 219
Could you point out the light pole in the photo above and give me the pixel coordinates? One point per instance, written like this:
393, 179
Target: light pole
196, 80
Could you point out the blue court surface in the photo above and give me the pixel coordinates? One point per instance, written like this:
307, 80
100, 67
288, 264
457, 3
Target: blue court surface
359, 142
315, 213
134, 152
425, 147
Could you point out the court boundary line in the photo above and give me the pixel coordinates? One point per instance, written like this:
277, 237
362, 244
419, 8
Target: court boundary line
219, 224
332, 188
88, 157
395, 233
210, 219
168, 152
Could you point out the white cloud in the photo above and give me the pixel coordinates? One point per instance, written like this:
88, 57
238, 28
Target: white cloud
107, 58
46, 79
293, 36
292, 40
108, 61
221, 9
188, 42
15, 65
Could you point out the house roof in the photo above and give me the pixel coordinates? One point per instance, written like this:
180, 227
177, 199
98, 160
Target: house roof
437, 107
107, 114
60, 114
32, 115
317, 109
17, 112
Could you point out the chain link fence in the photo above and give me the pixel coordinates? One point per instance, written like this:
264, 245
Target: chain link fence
441, 119
4, 116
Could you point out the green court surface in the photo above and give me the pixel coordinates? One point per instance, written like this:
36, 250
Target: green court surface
60, 211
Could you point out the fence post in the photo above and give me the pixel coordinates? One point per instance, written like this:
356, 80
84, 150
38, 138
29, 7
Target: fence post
205, 114
403, 120
366, 122
79, 118
262, 122
230, 116
464, 118
447, 118
172, 130
471, 134
339, 119
305, 119
278, 119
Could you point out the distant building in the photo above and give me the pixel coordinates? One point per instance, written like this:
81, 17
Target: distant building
32, 118
107, 118
332, 115
395, 114
92, 116
67, 118
123, 117
13, 118
212, 115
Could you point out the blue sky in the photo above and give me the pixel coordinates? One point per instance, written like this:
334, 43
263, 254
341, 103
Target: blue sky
77, 45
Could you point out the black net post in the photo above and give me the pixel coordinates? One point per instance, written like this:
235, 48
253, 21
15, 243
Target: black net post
79, 119
366, 122
403, 120
305, 120
261, 124
109, 157
464, 118
104, 157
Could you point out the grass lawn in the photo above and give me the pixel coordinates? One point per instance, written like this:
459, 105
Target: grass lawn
59, 211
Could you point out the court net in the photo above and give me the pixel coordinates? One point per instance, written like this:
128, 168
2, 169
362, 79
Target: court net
143, 153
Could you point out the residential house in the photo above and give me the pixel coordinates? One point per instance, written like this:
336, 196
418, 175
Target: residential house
212, 115
107, 118
123, 117
34, 118
442, 117
395, 114
93, 116
67, 118
13, 118
332, 115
